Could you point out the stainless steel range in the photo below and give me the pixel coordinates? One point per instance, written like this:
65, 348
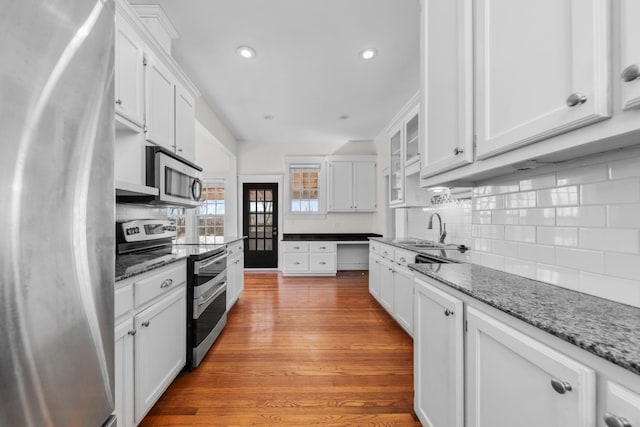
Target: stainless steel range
152, 240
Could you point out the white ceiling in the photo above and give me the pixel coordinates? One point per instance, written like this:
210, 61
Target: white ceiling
307, 72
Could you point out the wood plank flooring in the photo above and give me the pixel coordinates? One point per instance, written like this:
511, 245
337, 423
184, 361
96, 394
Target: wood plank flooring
299, 352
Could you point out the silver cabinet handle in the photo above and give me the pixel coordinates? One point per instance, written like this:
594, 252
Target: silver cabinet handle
323, 247
614, 421
631, 73
560, 387
323, 263
296, 247
576, 99
457, 151
385, 253
296, 263
403, 260
132, 332
166, 283
145, 324
119, 101
448, 312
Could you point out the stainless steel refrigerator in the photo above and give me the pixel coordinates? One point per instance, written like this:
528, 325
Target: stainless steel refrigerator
56, 213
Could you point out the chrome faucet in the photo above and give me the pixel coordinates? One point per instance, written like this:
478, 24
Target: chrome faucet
443, 226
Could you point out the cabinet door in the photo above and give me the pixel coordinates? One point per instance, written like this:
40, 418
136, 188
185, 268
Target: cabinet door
129, 59
374, 275
412, 137
159, 104
185, 124
623, 405
403, 298
386, 285
123, 378
514, 380
630, 53
160, 349
447, 85
438, 341
541, 69
341, 186
396, 170
232, 281
364, 184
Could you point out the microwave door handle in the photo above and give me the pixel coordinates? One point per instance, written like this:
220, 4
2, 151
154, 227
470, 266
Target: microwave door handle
196, 193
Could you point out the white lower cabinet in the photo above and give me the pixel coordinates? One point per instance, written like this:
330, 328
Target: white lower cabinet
403, 297
438, 348
235, 272
150, 339
160, 349
310, 258
374, 275
514, 380
386, 284
622, 407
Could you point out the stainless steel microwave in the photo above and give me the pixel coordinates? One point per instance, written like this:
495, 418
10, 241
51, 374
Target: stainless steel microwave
177, 179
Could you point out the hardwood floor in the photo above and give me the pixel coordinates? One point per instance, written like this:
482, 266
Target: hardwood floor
299, 352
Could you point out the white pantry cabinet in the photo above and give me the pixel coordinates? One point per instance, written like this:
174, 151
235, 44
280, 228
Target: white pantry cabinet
438, 348
629, 72
446, 85
513, 379
352, 184
541, 69
235, 272
129, 82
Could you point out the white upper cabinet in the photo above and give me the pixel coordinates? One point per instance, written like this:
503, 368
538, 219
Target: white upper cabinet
630, 55
129, 87
446, 85
412, 136
160, 106
352, 184
541, 69
396, 167
185, 124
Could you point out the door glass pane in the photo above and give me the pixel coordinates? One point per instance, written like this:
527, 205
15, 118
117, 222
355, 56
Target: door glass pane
252, 244
253, 220
260, 219
268, 219
268, 245
252, 195
252, 232
268, 231
268, 195
268, 207
261, 245
260, 232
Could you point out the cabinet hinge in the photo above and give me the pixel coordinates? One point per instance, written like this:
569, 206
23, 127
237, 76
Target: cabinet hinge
475, 140
466, 326
144, 60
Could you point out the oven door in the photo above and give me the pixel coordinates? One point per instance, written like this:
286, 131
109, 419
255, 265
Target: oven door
178, 182
209, 318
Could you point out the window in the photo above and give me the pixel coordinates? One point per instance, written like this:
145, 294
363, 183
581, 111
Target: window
210, 215
177, 216
305, 192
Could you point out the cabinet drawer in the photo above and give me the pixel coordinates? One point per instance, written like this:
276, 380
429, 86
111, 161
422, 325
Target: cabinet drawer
160, 282
235, 247
322, 247
403, 257
123, 301
374, 247
622, 405
296, 262
296, 247
322, 262
387, 251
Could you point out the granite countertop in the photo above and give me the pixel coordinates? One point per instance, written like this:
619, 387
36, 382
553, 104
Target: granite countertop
602, 327
328, 237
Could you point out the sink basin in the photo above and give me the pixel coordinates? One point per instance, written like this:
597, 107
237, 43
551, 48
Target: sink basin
418, 243
430, 259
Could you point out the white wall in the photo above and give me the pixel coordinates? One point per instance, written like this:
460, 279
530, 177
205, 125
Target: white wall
208, 119
269, 159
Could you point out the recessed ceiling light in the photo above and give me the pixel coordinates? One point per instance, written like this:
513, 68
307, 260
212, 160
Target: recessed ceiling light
368, 53
268, 117
344, 117
246, 52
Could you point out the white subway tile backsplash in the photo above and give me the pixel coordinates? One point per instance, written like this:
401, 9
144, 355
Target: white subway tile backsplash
538, 182
591, 173
540, 216
560, 276
537, 253
581, 259
481, 217
623, 216
490, 202
487, 190
622, 265
520, 233
559, 236
488, 231
505, 216
561, 196
483, 245
520, 200
502, 247
624, 168
520, 267
621, 290
581, 216
618, 191
611, 239
488, 260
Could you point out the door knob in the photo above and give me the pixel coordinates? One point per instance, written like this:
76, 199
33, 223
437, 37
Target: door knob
576, 99
631, 73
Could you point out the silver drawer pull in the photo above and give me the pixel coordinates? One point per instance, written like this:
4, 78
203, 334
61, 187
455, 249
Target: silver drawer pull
448, 312
385, 253
615, 421
322, 263
296, 263
166, 283
560, 387
576, 99
631, 73
145, 324
403, 260
457, 151
323, 247
119, 101
132, 332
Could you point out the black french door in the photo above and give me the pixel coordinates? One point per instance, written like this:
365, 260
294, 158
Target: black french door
260, 224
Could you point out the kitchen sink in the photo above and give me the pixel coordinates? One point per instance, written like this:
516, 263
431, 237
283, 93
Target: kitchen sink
432, 259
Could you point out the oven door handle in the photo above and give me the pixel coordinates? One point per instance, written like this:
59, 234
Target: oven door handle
204, 264
221, 289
